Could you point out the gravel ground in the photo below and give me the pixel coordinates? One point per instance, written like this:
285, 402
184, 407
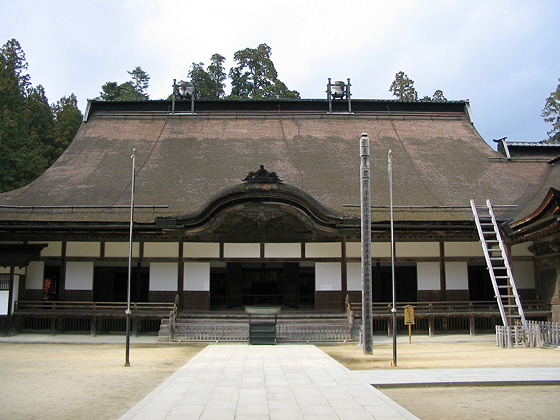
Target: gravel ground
461, 402
89, 381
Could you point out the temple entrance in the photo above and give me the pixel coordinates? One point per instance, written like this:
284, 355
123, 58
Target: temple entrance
480, 284
275, 284
110, 284
406, 283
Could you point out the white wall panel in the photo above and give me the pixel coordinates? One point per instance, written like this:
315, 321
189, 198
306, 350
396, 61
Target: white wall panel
242, 250
463, 249
323, 250
121, 249
163, 276
53, 249
416, 249
201, 250
456, 275
521, 250
327, 276
83, 249
378, 249
354, 276
524, 274
161, 249
428, 275
196, 276
79, 275
353, 249
4, 297
35, 275
282, 250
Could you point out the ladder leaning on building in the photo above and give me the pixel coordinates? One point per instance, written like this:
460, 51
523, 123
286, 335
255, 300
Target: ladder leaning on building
498, 264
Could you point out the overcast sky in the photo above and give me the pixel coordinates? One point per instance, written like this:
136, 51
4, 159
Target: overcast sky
502, 55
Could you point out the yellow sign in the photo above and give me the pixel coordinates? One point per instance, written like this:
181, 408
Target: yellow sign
409, 315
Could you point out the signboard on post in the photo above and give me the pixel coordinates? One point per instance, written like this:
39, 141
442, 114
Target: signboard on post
409, 320
409, 315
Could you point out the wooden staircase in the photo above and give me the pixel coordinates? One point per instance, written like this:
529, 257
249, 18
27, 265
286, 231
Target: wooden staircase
237, 326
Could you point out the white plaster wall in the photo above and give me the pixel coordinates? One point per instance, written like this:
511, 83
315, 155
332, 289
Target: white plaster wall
327, 276
524, 274
378, 249
323, 250
120, 249
456, 275
354, 276
284, 250
196, 276
521, 250
83, 249
353, 249
463, 249
53, 249
416, 249
201, 250
35, 275
4, 297
242, 250
428, 275
161, 249
163, 276
79, 275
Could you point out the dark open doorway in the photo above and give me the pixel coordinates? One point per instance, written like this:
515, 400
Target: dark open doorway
110, 284
480, 285
280, 284
406, 283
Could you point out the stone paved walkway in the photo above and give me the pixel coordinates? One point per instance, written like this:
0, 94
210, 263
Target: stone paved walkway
265, 382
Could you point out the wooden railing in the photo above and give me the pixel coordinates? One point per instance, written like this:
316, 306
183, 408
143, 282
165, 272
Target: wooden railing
97, 308
445, 309
93, 312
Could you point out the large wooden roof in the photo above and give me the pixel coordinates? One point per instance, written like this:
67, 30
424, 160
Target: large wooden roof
187, 162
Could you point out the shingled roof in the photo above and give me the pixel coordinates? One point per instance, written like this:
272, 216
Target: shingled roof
185, 162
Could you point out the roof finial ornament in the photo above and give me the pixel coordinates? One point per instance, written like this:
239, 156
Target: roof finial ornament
263, 176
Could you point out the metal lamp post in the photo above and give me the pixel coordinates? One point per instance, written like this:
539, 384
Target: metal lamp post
393, 309
128, 313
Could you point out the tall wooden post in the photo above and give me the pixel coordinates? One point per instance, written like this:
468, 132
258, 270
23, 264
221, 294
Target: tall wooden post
367, 321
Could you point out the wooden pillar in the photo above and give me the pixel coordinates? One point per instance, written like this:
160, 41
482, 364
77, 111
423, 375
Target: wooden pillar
181, 276
10, 325
343, 275
431, 326
93, 326
365, 181
62, 277
472, 326
442, 280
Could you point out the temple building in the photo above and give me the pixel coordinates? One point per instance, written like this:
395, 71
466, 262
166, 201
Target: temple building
257, 203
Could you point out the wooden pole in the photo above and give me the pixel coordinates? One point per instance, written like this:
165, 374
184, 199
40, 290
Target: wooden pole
367, 321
